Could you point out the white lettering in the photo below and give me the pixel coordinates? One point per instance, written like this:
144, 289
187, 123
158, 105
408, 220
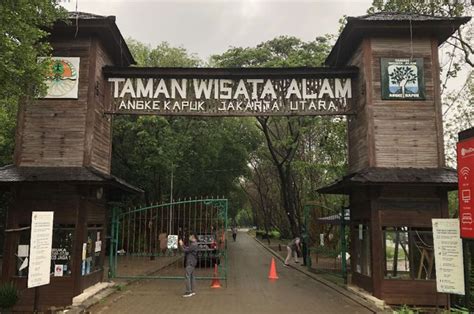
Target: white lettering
341, 91
200, 88
293, 89
255, 83
225, 90
181, 89
143, 91
116, 85
268, 90
161, 89
326, 89
305, 91
128, 89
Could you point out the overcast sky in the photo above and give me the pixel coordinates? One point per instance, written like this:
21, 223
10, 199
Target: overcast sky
212, 26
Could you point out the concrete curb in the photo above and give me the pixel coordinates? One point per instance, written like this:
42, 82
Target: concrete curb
96, 298
347, 292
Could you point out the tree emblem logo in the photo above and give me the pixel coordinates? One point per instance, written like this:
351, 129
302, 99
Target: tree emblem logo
402, 79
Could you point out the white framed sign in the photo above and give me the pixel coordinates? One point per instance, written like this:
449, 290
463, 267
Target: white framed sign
40, 248
62, 79
448, 256
172, 241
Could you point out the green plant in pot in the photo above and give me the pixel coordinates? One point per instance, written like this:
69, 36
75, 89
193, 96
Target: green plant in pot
8, 296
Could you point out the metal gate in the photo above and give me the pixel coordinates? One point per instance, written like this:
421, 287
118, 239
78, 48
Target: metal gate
143, 240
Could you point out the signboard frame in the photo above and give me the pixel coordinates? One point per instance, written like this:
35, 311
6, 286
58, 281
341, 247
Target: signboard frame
41, 242
448, 256
397, 70
465, 168
308, 100
62, 80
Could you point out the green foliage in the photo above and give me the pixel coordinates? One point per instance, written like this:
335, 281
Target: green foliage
283, 51
205, 156
22, 24
273, 234
7, 132
299, 153
8, 295
22, 33
244, 217
163, 55
405, 309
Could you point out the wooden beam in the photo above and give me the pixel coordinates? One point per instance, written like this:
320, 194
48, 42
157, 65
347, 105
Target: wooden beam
437, 101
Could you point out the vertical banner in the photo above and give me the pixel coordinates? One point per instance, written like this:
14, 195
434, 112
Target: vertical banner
448, 256
465, 158
40, 248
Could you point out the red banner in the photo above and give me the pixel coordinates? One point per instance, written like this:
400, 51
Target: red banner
465, 150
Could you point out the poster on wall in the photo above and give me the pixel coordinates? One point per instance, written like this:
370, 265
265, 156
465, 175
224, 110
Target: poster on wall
172, 242
448, 256
40, 253
465, 158
62, 79
402, 79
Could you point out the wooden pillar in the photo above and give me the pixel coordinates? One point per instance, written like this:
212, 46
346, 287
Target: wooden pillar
79, 239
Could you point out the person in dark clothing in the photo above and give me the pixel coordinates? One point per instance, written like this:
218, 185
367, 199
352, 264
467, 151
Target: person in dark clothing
234, 233
190, 262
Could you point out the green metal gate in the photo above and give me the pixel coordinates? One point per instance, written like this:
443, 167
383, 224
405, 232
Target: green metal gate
323, 255
143, 240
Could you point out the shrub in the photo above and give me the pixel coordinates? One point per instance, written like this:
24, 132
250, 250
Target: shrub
8, 295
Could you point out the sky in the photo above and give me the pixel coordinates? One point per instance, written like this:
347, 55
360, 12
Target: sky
213, 26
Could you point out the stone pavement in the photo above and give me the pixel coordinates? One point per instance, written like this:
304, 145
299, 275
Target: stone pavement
248, 290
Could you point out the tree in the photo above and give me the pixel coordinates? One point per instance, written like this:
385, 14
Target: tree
205, 156
287, 138
22, 34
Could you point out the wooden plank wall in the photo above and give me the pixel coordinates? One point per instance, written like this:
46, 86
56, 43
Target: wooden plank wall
52, 130
406, 133
102, 141
70, 132
357, 125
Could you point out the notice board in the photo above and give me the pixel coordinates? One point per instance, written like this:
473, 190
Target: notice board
448, 256
40, 249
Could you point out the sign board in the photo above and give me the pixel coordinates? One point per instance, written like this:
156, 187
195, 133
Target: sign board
62, 79
230, 92
40, 248
58, 270
402, 79
172, 242
465, 158
448, 256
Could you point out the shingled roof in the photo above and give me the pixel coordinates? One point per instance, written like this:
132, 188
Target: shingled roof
392, 24
104, 27
442, 177
12, 175
398, 16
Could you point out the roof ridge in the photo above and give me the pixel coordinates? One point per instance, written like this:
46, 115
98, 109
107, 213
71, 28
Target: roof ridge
85, 15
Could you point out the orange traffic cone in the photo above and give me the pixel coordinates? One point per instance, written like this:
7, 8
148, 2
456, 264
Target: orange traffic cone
215, 280
273, 272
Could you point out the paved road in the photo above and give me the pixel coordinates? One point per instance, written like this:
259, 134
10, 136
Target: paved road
248, 291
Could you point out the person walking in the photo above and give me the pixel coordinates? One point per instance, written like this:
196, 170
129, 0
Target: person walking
190, 262
293, 248
234, 233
